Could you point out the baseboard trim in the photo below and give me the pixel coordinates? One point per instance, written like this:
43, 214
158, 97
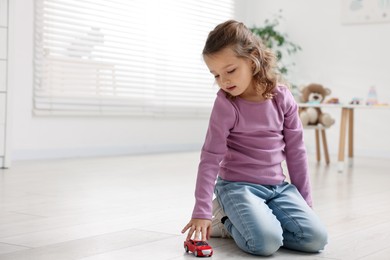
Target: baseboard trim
100, 151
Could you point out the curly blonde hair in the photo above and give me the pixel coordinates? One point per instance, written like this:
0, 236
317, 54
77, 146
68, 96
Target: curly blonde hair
245, 44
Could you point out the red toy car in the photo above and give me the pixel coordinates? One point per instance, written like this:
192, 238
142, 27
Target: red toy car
199, 248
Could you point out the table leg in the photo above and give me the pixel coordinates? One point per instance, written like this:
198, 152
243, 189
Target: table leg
350, 133
343, 128
325, 146
318, 152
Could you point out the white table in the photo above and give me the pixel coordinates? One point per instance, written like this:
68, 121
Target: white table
347, 121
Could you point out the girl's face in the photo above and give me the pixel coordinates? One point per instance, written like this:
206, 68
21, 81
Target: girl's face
233, 74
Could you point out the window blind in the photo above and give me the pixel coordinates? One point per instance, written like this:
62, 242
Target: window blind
135, 57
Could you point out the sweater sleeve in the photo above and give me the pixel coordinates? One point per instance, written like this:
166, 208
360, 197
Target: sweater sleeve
295, 150
222, 120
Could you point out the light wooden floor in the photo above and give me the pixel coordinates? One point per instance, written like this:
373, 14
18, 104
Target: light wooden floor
134, 208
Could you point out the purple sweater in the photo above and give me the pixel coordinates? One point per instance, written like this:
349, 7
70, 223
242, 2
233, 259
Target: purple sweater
247, 141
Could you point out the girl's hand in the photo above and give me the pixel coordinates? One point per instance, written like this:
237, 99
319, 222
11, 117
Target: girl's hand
199, 227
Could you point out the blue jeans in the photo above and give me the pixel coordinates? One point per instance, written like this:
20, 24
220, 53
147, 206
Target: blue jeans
262, 218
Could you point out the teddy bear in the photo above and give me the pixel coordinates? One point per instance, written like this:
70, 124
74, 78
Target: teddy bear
314, 94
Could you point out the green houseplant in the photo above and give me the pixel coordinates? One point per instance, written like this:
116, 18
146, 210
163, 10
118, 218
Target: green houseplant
278, 42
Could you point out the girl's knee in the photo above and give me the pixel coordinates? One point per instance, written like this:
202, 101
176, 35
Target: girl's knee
321, 241
265, 245
316, 241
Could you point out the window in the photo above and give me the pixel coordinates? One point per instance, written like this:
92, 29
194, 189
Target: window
124, 57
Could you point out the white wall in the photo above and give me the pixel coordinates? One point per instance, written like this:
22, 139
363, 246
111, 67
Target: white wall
346, 58
49, 137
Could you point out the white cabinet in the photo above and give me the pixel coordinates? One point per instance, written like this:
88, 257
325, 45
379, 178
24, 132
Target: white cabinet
3, 75
4, 125
3, 13
3, 42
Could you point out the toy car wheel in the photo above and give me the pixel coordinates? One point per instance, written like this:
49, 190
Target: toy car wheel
186, 248
195, 253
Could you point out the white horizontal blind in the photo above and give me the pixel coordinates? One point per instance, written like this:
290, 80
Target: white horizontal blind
119, 57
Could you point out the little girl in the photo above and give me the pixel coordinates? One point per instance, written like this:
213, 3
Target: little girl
254, 126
